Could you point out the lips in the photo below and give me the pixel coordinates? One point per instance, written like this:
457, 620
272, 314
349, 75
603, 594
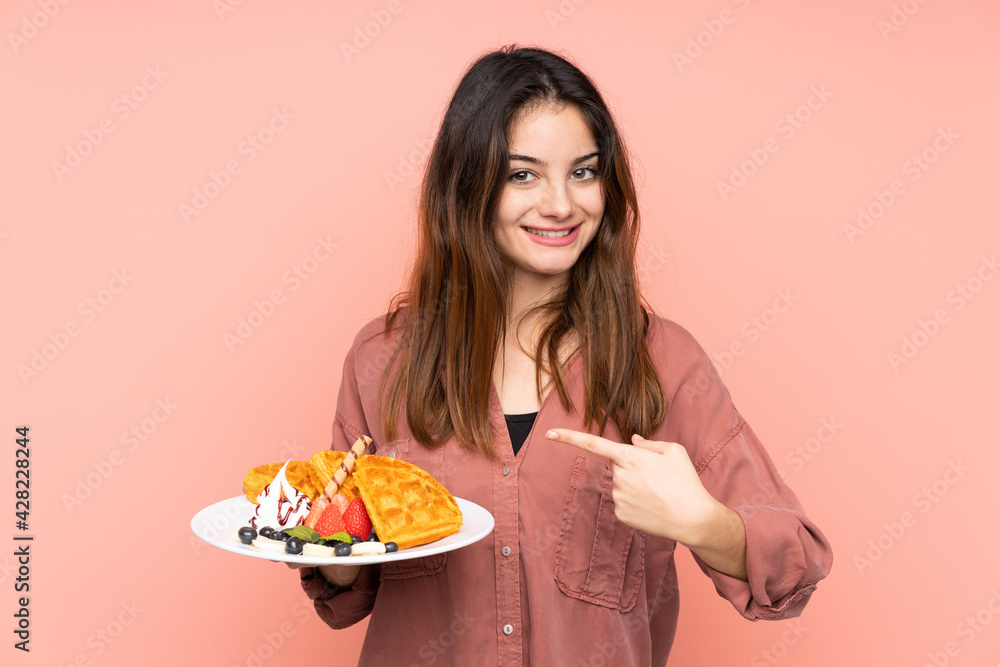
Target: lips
553, 236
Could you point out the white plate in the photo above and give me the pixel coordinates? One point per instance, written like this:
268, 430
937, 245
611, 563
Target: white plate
217, 525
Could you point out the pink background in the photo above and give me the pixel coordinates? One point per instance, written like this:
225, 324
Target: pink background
117, 577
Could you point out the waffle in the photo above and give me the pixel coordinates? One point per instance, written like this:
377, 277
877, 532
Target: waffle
323, 465
406, 505
298, 474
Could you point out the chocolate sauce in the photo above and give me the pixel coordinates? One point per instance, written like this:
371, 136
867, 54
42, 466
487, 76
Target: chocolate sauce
282, 520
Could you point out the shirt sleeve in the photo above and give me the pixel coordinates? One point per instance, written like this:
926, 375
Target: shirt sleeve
341, 607
786, 553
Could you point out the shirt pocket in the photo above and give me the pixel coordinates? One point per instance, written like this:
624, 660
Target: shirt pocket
431, 461
599, 559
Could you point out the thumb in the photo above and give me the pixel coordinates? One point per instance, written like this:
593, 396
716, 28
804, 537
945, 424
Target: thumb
651, 445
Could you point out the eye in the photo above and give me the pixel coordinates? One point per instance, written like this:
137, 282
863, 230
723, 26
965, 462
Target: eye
585, 173
521, 176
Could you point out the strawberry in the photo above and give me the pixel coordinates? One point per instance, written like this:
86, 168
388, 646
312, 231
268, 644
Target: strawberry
330, 522
315, 511
356, 519
341, 501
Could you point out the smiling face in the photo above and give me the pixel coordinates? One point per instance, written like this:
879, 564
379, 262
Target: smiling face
552, 202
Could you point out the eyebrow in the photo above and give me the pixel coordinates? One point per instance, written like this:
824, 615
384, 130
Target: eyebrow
534, 160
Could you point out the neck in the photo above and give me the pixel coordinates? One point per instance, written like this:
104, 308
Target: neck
530, 289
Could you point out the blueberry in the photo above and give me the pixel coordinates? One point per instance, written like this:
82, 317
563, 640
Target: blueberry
355, 539
342, 549
391, 547
246, 534
280, 535
373, 538
266, 531
293, 545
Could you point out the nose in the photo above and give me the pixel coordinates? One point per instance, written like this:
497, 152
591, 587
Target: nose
555, 201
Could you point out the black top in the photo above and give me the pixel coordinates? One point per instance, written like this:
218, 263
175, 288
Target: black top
519, 426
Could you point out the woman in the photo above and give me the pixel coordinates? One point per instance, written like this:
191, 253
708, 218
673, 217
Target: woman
523, 300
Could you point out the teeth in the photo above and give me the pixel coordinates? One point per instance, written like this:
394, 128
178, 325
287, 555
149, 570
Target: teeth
549, 234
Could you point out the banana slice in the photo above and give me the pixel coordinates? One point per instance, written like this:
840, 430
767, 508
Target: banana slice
367, 549
310, 549
267, 544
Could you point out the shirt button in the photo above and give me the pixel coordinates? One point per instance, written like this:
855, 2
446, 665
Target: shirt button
505, 551
508, 629
506, 470
392, 454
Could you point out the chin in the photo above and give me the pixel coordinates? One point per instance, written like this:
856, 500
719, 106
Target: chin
550, 272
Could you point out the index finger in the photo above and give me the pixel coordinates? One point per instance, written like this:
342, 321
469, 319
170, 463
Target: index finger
615, 451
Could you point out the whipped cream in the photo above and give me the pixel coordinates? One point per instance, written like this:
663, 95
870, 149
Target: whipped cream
280, 505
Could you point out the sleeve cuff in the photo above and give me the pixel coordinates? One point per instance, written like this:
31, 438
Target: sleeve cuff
316, 586
788, 607
782, 568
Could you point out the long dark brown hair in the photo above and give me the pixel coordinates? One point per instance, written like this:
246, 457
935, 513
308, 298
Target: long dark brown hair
454, 315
